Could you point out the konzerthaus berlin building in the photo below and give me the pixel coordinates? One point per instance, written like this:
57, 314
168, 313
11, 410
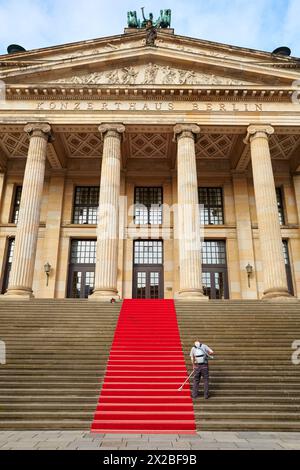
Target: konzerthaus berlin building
150, 131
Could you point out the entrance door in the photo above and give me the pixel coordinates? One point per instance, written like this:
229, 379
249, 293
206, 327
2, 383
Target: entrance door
148, 282
82, 280
7, 269
82, 269
215, 284
214, 269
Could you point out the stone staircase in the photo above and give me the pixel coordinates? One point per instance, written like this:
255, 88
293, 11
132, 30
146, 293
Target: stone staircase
57, 351
254, 385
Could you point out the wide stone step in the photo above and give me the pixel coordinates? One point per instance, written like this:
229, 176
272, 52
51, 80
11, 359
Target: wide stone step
57, 414
250, 425
144, 382
53, 425
276, 415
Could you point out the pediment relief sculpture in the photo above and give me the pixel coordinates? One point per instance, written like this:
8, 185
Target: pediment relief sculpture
151, 74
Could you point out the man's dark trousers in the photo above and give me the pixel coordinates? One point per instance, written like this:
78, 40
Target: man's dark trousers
201, 370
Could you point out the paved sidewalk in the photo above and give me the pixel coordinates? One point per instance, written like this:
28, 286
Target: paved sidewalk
77, 440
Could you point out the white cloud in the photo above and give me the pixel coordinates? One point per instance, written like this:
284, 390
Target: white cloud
258, 24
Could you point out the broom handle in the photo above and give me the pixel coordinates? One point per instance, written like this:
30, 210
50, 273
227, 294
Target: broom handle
187, 378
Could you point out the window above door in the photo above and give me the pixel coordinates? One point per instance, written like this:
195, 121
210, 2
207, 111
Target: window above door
148, 252
148, 205
86, 202
211, 210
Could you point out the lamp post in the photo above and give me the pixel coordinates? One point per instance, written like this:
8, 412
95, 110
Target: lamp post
249, 270
47, 269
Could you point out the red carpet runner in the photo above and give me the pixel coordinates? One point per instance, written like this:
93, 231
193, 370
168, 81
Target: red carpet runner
145, 369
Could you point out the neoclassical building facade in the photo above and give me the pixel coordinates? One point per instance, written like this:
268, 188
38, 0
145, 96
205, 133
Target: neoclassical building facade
107, 149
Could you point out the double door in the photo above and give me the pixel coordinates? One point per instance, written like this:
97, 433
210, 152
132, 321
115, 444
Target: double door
81, 281
148, 282
215, 283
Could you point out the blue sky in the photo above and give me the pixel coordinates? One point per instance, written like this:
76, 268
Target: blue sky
258, 24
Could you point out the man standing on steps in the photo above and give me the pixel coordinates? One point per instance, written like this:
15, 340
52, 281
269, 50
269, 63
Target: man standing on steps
199, 357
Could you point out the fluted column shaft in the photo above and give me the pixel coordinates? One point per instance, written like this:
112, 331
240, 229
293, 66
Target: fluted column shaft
275, 280
189, 230
21, 276
108, 219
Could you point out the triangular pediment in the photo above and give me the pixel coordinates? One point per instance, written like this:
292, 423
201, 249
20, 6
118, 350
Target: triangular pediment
126, 61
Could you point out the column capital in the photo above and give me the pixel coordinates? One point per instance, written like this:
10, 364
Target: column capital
258, 130
38, 129
186, 130
111, 130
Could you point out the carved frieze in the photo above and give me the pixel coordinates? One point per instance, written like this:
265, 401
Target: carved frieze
151, 74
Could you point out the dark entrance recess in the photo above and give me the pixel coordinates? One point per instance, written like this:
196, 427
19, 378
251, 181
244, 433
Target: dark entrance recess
82, 268
148, 280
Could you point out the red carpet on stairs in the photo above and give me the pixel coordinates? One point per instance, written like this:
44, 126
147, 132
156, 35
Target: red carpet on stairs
145, 369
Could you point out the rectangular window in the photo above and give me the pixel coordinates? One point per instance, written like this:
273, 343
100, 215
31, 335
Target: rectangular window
16, 208
286, 252
280, 206
83, 252
148, 252
141, 285
148, 206
211, 211
214, 252
86, 202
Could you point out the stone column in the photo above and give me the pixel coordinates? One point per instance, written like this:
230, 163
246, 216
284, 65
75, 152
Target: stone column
21, 277
108, 224
275, 281
188, 230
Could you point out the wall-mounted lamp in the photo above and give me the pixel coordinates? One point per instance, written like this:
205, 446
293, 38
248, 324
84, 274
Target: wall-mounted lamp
249, 270
47, 269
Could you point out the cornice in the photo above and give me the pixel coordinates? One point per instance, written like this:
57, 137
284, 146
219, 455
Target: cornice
164, 93
140, 34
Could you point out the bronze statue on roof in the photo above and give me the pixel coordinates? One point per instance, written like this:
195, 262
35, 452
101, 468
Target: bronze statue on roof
163, 21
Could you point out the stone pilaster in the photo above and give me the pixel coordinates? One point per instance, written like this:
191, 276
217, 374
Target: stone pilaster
52, 237
296, 180
275, 281
21, 277
188, 230
244, 236
108, 223
2, 184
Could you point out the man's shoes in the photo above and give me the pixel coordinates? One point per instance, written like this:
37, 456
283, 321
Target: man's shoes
206, 397
194, 398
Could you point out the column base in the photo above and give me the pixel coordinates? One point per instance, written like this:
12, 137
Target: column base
18, 294
278, 294
104, 295
191, 295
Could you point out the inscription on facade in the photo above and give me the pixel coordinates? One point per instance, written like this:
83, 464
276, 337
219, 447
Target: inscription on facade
165, 106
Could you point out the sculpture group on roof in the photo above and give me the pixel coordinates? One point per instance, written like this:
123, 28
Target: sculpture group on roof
164, 20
